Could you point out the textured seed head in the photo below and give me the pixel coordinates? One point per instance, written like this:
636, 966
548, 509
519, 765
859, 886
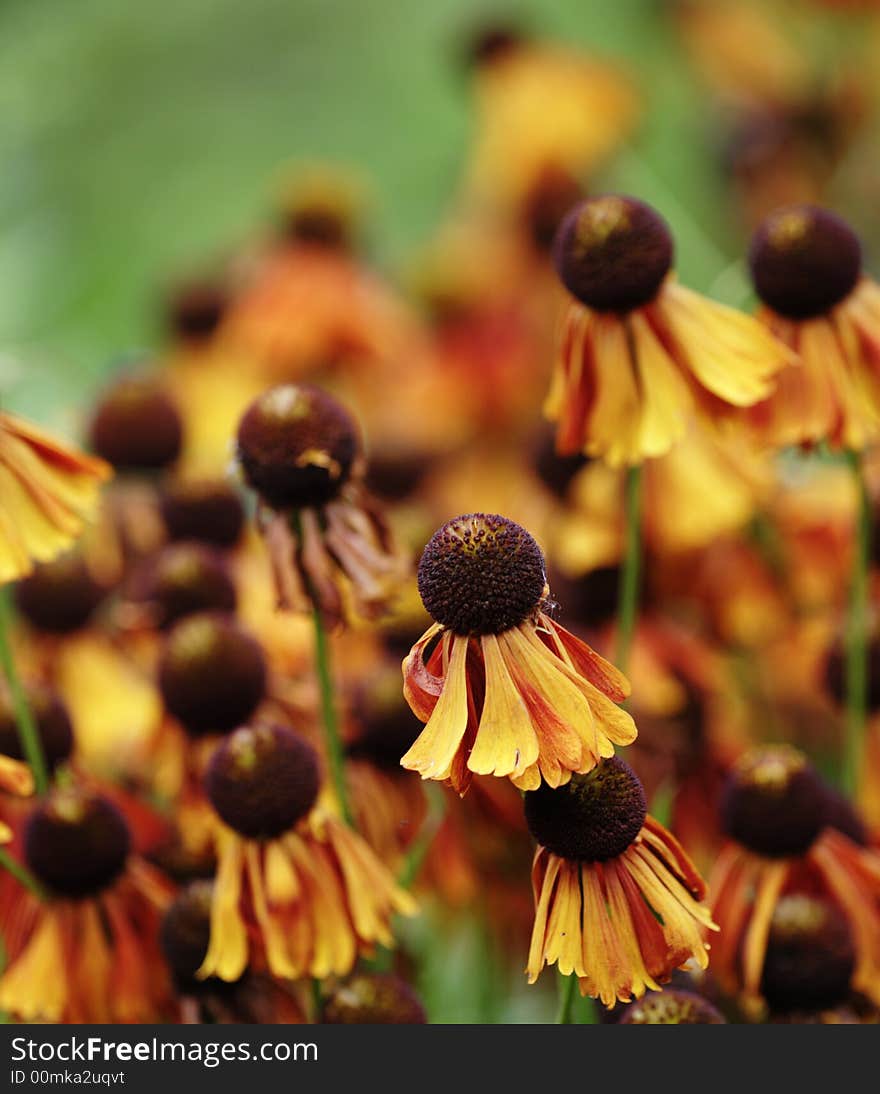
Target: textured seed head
52, 720
481, 574
671, 1007
592, 818
207, 510
374, 998
59, 596
186, 931
187, 578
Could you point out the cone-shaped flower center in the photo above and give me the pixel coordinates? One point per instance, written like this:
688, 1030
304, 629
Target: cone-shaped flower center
76, 842
212, 674
613, 252
296, 446
136, 426
804, 260
481, 574
672, 1008
593, 818
196, 311
59, 596
262, 780
374, 998
188, 578
774, 802
53, 725
186, 931
209, 511
810, 955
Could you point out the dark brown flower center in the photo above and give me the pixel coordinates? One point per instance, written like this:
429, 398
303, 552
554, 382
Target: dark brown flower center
76, 842
774, 802
810, 955
804, 260
136, 426
481, 574
52, 720
296, 446
613, 252
186, 932
207, 510
374, 998
59, 596
195, 311
262, 780
212, 674
672, 1008
592, 818
187, 578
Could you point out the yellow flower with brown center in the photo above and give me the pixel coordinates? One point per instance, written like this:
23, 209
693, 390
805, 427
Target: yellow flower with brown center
328, 540
806, 265
290, 876
639, 354
87, 952
618, 903
503, 689
784, 837
48, 491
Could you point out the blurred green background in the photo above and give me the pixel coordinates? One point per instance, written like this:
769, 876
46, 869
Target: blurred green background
138, 141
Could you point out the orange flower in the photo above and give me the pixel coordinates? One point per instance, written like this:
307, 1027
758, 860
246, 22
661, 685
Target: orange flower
503, 688
48, 490
779, 818
291, 877
806, 265
639, 354
88, 952
617, 900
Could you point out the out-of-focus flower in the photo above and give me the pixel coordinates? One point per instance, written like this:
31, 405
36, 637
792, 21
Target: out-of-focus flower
540, 106
374, 998
672, 1008
806, 264
502, 688
88, 952
617, 901
49, 492
639, 354
779, 818
290, 876
330, 546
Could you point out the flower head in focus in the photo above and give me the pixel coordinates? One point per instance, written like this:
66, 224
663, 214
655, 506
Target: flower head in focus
639, 354
618, 903
503, 688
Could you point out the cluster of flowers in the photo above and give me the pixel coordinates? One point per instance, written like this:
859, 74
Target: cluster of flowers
202, 679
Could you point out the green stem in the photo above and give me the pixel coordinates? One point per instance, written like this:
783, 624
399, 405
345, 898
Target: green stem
628, 601
856, 637
566, 999
31, 745
21, 873
332, 738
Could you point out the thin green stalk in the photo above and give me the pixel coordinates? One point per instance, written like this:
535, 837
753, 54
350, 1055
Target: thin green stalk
21, 873
332, 739
628, 601
857, 637
566, 999
31, 745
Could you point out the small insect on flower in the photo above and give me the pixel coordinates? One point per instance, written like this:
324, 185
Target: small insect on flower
779, 819
87, 952
806, 265
292, 878
638, 353
503, 688
49, 492
618, 903
328, 541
